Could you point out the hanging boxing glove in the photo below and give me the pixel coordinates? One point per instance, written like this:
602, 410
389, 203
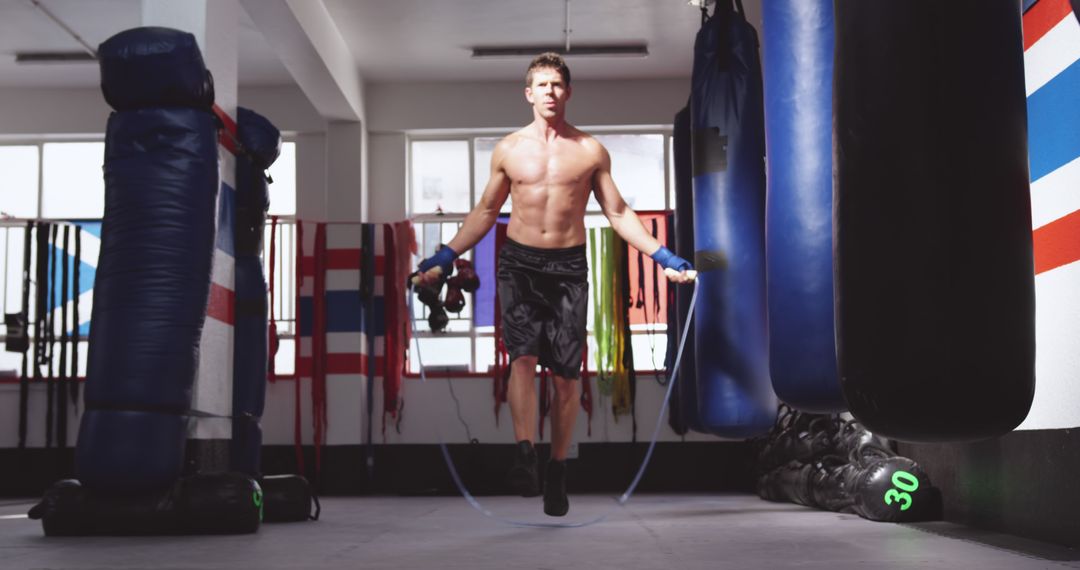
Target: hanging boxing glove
455, 299
466, 279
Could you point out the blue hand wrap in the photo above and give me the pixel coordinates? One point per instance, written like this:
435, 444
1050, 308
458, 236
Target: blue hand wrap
443, 258
668, 260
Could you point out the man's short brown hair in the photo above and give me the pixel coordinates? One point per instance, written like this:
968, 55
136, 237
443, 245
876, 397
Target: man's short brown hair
548, 60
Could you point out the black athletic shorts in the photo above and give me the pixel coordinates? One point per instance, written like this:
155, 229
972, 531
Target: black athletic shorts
544, 298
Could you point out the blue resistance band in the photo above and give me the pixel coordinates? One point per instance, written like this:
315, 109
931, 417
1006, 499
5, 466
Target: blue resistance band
625, 497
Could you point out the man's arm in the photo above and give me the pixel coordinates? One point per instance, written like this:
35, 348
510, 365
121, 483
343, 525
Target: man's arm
628, 225
478, 221
483, 216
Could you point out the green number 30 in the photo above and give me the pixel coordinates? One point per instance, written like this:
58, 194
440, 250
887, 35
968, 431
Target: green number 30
906, 483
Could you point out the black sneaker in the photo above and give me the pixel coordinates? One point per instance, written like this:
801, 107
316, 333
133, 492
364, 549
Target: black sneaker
556, 503
524, 476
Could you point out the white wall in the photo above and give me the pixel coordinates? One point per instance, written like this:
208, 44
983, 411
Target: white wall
400, 108
397, 107
35, 112
387, 157
392, 111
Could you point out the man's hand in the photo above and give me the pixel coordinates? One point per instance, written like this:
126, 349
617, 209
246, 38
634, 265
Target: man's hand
436, 267
685, 276
676, 269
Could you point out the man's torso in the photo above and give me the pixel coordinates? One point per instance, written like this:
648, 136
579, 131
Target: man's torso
550, 183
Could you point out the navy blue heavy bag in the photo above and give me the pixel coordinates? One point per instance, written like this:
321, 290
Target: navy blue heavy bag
261, 145
154, 67
683, 405
798, 66
933, 247
735, 398
150, 295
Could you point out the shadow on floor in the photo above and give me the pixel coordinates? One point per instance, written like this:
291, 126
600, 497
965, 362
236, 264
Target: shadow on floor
1014, 544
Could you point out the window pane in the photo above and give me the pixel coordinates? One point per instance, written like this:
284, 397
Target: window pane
19, 190
440, 177
283, 190
485, 354
12, 237
285, 359
671, 173
637, 165
482, 150
73, 185
10, 364
441, 352
649, 351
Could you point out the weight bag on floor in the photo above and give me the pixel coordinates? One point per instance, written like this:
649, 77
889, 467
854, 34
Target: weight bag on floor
288, 498
798, 65
735, 397
933, 246
216, 503
219, 503
261, 145
150, 296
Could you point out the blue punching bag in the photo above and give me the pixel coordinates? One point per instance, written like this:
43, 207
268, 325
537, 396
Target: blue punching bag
935, 304
153, 274
798, 66
261, 144
735, 398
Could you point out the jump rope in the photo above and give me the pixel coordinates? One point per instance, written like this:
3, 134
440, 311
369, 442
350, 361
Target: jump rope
624, 498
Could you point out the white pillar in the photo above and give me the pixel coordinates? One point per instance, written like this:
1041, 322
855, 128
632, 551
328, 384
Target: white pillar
214, 23
345, 171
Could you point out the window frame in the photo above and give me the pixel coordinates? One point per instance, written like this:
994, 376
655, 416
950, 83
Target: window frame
469, 137
283, 302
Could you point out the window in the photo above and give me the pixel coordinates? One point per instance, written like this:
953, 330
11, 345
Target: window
283, 190
440, 177
72, 182
64, 181
443, 188
283, 203
19, 190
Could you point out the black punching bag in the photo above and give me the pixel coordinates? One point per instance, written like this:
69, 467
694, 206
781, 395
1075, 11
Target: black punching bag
934, 275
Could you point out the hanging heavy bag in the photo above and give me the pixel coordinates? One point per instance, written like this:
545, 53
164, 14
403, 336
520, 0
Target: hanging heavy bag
934, 274
798, 66
734, 394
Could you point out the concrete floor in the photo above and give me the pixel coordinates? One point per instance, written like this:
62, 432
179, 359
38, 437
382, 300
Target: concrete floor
653, 531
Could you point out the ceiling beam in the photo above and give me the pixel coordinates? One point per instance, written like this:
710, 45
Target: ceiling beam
309, 44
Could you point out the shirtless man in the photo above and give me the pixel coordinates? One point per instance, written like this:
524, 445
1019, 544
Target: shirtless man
549, 167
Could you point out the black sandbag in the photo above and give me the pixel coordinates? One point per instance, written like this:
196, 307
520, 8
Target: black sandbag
260, 139
288, 498
684, 404
154, 67
933, 244
891, 489
219, 503
261, 144
69, 509
150, 296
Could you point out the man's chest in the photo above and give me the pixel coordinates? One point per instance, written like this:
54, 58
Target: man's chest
563, 165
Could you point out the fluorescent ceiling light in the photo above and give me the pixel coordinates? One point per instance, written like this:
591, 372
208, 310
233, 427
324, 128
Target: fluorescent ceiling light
34, 57
632, 50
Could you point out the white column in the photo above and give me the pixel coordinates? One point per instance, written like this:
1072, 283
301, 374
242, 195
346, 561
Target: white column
344, 167
214, 24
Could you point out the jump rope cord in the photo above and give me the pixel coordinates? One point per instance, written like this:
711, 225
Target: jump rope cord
625, 497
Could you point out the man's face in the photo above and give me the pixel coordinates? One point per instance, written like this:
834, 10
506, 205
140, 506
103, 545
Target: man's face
548, 93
